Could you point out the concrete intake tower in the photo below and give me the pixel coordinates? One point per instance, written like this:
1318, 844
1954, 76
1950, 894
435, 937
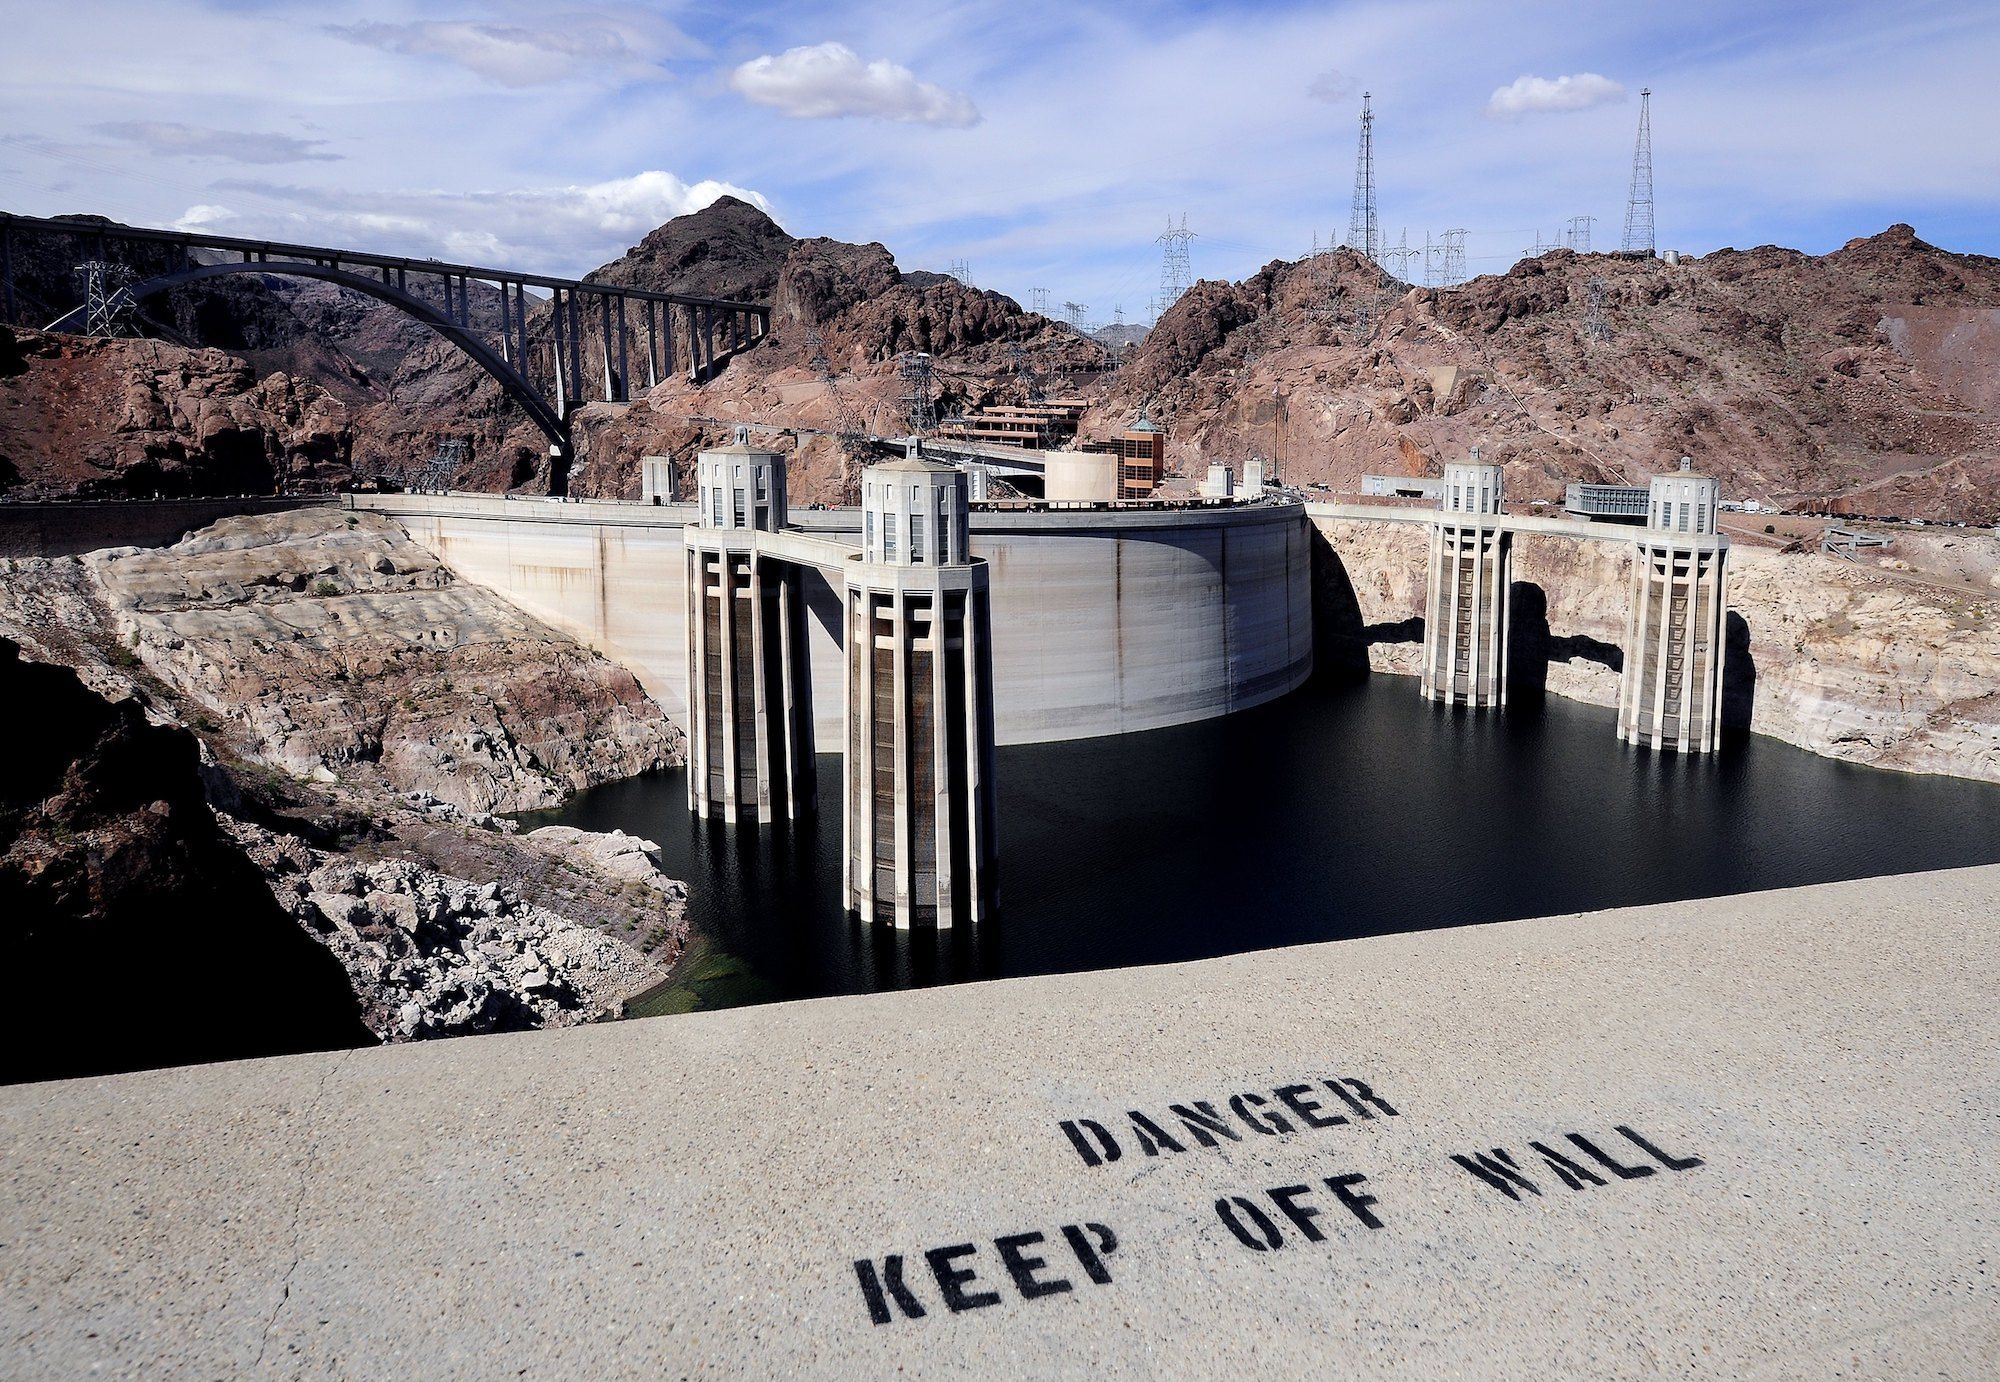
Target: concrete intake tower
919, 836
748, 750
1670, 695
1466, 598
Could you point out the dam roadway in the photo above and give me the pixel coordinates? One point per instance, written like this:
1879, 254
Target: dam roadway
1742, 1136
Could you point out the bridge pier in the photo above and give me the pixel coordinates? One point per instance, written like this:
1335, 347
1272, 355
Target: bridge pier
1670, 693
749, 748
919, 828
1466, 597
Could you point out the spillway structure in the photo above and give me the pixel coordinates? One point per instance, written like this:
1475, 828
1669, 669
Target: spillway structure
919, 815
1670, 693
1466, 598
749, 752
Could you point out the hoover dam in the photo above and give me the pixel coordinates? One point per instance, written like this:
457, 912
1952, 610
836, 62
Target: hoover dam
1103, 623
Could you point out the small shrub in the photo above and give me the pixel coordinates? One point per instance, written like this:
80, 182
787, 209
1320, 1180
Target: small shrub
204, 723
324, 587
1770, 527
122, 656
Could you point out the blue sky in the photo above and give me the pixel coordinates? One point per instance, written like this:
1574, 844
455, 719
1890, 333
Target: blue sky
1044, 142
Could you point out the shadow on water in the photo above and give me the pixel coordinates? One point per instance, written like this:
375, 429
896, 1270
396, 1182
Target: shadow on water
1531, 647
1739, 678
1349, 808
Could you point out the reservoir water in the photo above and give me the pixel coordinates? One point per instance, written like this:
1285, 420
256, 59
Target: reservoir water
1343, 810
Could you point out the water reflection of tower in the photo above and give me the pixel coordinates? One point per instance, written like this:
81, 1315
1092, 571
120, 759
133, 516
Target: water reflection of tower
920, 829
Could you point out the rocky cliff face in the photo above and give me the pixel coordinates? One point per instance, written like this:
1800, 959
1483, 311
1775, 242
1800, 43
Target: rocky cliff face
335, 648
107, 418
1857, 381
124, 909
1892, 668
353, 715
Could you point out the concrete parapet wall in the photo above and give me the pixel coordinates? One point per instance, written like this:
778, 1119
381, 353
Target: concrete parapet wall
1795, 1089
1103, 622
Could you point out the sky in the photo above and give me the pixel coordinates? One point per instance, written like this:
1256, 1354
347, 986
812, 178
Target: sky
1042, 143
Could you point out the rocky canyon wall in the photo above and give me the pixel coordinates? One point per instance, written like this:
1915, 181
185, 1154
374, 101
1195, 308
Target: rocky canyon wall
1892, 668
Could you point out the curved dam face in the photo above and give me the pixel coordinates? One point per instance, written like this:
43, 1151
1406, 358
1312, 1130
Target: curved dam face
1103, 622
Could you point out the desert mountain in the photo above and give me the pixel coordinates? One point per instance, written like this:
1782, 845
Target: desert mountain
1860, 380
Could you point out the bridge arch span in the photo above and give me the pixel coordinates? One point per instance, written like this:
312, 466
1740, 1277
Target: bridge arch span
510, 379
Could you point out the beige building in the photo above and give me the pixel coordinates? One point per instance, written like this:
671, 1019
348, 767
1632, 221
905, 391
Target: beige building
1079, 477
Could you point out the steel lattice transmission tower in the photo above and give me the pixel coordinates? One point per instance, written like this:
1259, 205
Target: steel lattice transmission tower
1594, 325
1363, 231
1639, 202
1579, 233
1451, 271
1176, 277
918, 371
1399, 256
107, 302
853, 433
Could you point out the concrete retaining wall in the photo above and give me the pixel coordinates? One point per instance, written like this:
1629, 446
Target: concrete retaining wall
1103, 623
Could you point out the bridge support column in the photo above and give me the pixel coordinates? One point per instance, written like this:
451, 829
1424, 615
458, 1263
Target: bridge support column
1466, 599
919, 826
748, 749
1670, 692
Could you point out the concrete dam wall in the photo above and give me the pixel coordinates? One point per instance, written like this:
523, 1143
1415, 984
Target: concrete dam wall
1103, 622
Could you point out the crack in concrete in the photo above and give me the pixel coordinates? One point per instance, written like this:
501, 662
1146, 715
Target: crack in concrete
306, 1165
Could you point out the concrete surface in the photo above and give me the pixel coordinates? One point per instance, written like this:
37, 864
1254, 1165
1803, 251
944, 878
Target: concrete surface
1103, 623
691, 1194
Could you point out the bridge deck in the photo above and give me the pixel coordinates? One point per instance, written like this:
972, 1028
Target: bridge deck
693, 1193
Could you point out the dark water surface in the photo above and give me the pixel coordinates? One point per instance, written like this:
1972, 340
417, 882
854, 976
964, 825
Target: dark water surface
1342, 810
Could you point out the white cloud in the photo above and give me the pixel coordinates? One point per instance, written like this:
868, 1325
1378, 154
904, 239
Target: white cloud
830, 80
1529, 95
1329, 86
555, 229
204, 217
586, 44
170, 137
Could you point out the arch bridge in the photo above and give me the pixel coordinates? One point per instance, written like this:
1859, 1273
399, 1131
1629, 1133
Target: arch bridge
550, 349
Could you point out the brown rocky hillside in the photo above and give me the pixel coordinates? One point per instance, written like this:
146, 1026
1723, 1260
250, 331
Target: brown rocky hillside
1860, 380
